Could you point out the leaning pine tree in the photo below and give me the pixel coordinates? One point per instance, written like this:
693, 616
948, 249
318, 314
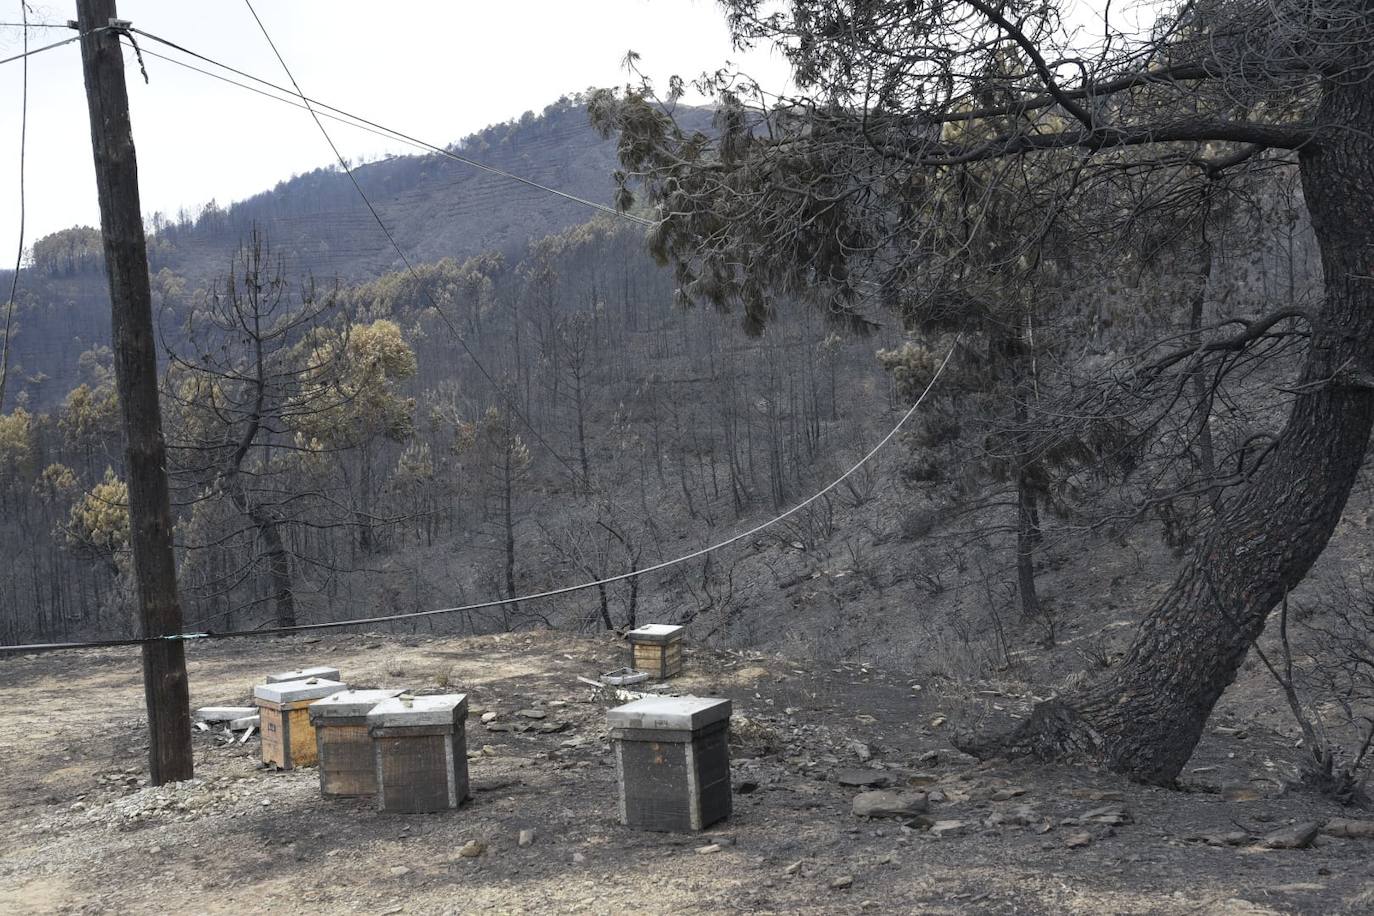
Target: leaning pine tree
841, 185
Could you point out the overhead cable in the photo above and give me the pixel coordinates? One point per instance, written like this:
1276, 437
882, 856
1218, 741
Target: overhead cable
396, 134
534, 596
348, 170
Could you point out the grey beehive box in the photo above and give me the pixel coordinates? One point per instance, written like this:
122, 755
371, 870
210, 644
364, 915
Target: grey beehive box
345, 747
419, 748
672, 761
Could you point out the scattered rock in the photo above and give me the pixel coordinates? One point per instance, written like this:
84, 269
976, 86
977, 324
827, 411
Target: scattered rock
526, 838
863, 750
1007, 793
1020, 816
842, 882
1110, 816
579, 858
531, 713
948, 828
708, 849
399, 870
1296, 836
1349, 827
1240, 792
1078, 840
889, 804
488, 716
794, 868
551, 728
1234, 838
875, 779
472, 849
745, 787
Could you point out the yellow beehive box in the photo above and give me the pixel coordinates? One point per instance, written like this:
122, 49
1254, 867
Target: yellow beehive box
657, 649
288, 738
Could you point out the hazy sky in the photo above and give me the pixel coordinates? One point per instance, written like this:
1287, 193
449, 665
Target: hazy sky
437, 71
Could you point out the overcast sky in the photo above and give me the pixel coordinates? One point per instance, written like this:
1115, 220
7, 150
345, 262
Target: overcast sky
435, 70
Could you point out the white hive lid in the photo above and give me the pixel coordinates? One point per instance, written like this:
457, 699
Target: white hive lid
669, 713
350, 703
301, 674
656, 633
446, 709
311, 688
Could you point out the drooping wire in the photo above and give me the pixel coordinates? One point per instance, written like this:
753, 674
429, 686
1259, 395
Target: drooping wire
535, 596
343, 163
56, 44
496, 602
360, 121
19, 255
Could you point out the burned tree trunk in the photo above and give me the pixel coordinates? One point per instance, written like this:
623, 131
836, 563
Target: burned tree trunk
1147, 717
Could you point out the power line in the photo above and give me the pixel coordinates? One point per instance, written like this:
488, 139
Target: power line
56, 44
19, 255
496, 602
535, 596
393, 133
510, 401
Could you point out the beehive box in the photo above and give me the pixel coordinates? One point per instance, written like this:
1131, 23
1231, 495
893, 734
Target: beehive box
288, 738
419, 751
323, 672
672, 761
657, 649
345, 748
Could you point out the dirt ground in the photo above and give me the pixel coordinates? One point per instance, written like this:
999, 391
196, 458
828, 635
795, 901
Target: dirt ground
84, 835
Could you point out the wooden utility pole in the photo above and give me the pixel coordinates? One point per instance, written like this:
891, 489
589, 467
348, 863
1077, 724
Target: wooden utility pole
150, 512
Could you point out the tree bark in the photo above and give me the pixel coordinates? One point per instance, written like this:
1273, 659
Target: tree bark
1146, 718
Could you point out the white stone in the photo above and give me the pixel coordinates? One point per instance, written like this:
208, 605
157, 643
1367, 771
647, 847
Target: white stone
301, 674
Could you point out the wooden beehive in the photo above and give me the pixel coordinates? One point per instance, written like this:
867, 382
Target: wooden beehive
345, 748
419, 751
323, 672
672, 760
288, 739
657, 649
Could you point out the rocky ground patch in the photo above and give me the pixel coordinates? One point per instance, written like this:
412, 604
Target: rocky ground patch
848, 799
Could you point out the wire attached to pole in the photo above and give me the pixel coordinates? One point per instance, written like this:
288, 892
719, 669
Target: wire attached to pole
535, 596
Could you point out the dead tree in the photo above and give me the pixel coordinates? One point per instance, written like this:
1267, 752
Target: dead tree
835, 188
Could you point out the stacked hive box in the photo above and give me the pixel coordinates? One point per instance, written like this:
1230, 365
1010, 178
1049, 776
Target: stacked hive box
657, 649
672, 759
288, 738
345, 748
419, 747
